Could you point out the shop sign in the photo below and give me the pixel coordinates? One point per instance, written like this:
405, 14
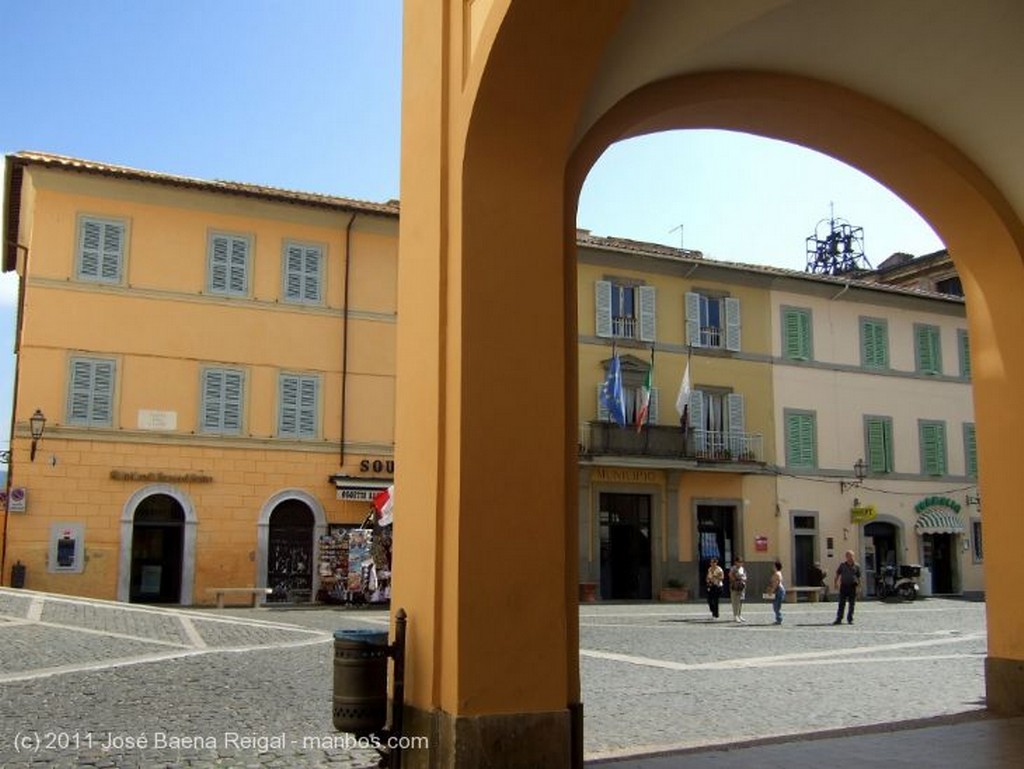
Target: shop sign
928, 502
761, 543
18, 501
350, 494
377, 466
159, 477
623, 475
863, 513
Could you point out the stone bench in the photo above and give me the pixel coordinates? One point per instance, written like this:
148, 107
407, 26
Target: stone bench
220, 592
813, 593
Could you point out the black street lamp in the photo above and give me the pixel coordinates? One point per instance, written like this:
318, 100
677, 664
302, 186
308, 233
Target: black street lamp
860, 471
36, 425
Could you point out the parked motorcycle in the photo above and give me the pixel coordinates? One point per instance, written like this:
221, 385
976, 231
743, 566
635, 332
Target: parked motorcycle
902, 582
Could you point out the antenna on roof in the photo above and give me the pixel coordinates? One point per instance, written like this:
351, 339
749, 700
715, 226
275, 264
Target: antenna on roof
680, 228
836, 247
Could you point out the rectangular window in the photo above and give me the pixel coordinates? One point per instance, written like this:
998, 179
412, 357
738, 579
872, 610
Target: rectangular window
970, 451
91, 392
874, 343
933, 447
927, 349
625, 310
977, 547
963, 344
221, 410
101, 244
712, 321
796, 333
303, 268
298, 406
228, 264
801, 439
878, 437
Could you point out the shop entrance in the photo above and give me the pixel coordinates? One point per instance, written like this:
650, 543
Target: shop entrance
882, 551
158, 537
290, 553
625, 521
938, 553
805, 537
715, 538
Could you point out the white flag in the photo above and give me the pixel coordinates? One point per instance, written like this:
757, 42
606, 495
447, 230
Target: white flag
683, 399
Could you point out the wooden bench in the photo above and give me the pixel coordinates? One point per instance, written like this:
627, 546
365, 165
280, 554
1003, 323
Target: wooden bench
813, 594
220, 592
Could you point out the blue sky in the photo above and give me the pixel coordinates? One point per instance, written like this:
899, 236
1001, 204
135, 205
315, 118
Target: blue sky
305, 95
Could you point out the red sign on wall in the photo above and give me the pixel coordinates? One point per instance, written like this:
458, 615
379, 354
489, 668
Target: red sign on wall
761, 544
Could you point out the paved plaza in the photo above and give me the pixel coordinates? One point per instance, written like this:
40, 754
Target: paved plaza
99, 684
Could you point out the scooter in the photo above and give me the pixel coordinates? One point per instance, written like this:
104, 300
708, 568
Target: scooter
904, 585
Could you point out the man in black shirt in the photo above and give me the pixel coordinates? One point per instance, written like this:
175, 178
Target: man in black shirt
847, 581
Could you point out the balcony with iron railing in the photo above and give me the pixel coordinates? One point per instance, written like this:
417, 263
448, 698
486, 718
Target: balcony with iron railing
664, 442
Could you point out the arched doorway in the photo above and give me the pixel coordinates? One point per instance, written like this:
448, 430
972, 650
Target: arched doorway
157, 551
290, 553
880, 549
507, 106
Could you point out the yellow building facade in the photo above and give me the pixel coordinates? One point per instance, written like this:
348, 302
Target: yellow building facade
215, 363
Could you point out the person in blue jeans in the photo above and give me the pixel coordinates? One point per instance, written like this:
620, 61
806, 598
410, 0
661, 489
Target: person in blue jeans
778, 591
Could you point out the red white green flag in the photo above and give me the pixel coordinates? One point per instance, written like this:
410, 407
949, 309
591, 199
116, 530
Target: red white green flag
644, 406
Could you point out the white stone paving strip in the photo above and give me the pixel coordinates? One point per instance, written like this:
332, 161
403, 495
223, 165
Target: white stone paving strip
197, 641
35, 608
793, 660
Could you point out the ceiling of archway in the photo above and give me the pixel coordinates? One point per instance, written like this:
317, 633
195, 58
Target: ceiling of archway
955, 66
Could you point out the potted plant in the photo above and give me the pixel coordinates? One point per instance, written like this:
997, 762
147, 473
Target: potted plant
674, 590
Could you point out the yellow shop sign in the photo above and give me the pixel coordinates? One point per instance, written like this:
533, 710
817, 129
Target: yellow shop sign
863, 513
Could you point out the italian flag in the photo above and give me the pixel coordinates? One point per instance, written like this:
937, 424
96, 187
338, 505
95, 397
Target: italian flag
644, 406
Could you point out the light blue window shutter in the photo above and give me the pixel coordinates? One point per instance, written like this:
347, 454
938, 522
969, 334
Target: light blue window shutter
238, 278
647, 314
736, 407
213, 388
294, 273
696, 411
103, 392
91, 392
232, 420
288, 417
692, 335
312, 259
222, 400
219, 264
732, 323
602, 410
80, 392
308, 407
603, 303
101, 248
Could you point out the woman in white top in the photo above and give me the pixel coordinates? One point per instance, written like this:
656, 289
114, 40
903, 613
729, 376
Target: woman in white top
737, 588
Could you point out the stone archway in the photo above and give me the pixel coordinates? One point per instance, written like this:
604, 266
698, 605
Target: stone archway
133, 504
501, 127
263, 533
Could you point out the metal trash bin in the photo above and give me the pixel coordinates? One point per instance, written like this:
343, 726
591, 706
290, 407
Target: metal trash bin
18, 575
360, 681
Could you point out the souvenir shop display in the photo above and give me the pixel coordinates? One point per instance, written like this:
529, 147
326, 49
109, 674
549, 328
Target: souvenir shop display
355, 561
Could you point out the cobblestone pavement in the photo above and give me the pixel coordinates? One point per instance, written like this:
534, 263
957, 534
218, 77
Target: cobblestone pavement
98, 684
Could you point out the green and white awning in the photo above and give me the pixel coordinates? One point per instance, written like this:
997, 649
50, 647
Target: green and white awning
939, 521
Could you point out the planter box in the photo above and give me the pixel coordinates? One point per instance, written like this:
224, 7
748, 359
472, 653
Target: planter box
674, 594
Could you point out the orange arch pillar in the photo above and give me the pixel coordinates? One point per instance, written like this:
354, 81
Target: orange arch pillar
485, 428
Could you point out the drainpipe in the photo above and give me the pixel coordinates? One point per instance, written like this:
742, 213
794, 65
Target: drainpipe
344, 337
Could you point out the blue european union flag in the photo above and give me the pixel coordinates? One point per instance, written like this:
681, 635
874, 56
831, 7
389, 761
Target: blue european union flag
611, 392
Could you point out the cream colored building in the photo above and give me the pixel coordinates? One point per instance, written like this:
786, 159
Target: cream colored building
216, 365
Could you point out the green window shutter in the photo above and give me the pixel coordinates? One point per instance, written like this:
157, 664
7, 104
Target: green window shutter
647, 313
933, 448
796, 334
603, 305
927, 350
874, 343
101, 250
229, 265
732, 323
964, 347
970, 451
879, 440
91, 392
801, 449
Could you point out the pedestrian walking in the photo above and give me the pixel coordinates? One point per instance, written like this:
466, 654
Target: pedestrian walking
737, 588
847, 581
714, 579
778, 592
